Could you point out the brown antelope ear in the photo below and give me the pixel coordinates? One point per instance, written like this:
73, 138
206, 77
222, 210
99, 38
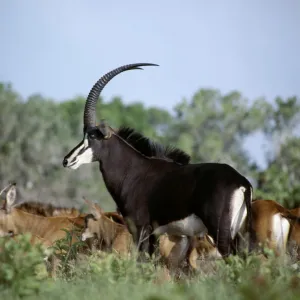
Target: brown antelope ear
3, 201
104, 129
11, 196
97, 211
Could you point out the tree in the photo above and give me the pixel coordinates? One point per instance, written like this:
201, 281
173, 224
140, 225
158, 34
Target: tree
212, 127
281, 179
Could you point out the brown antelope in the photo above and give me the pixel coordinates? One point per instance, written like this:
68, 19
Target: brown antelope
274, 226
14, 221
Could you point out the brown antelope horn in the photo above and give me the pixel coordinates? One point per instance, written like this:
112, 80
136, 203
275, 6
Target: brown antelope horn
89, 117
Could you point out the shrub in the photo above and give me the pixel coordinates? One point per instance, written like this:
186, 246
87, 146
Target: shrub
22, 265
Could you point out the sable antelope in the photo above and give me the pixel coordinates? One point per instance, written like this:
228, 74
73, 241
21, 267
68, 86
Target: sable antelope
14, 221
155, 188
274, 225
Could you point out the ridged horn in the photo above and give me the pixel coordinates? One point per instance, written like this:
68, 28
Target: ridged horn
89, 117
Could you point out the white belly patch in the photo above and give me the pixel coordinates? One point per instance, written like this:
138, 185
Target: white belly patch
189, 226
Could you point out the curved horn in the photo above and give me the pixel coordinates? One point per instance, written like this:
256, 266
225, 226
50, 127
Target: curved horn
89, 117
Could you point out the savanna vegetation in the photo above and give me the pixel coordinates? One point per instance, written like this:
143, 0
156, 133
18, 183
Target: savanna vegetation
37, 132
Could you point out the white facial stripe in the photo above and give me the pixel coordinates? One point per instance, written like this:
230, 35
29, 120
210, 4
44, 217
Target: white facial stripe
75, 153
84, 158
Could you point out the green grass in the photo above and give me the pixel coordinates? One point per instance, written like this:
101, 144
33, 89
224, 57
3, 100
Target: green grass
106, 276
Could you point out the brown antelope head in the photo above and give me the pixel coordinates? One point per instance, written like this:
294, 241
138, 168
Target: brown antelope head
108, 228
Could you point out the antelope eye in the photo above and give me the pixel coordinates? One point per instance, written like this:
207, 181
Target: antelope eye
93, 135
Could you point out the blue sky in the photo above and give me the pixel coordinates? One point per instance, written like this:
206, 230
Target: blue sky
60, 48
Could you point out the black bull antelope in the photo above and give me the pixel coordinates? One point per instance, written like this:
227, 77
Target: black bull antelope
156, 189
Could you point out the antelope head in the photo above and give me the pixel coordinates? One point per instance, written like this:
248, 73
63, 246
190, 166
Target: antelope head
92, 221
95, 136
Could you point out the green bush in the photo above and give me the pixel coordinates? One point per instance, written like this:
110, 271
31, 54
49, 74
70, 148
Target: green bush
114, 269
22, 265
66, 252
108, 276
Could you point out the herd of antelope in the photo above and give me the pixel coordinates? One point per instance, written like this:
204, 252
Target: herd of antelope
184, 212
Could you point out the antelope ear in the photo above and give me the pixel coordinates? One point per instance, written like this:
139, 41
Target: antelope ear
104, 129
3, 201
96, 210
11, 196
99, 212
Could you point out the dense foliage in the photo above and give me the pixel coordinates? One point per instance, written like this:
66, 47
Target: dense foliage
112, 277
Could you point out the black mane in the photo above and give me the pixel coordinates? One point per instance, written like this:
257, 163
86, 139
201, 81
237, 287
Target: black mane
152, 149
